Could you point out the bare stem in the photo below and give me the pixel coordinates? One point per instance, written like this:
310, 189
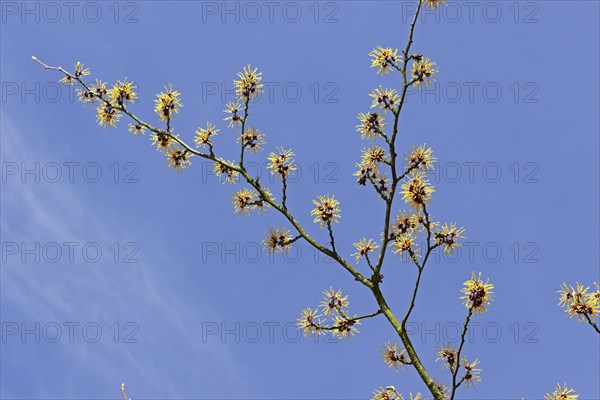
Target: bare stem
455, 384
592, 323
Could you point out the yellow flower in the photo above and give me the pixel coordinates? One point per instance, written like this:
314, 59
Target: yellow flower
122, 92
363, 248
423, 70
163, 142
345, 327
562, 393
388, 393
384, 58
136, 129
225, 173
99, 88
80, 70
334, 302
448, 354
277, 240
372, 155
416, 190
394, 357
234, 118
403, 224
365, 172
371, 125
252, 139
243, 201
67, 80
261, 203
203, 135
309, 322
326, 210
167, 103
281, 163
477, 294
448, 237
432, 4
577, 301
178, 158
107, 115
85, 96
471, 373
385, 99
405, 242
421, 157
249, 85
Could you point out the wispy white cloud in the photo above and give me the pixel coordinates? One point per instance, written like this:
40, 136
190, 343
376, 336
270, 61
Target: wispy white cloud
33, 212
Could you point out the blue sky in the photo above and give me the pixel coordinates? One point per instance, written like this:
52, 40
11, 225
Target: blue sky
186, 306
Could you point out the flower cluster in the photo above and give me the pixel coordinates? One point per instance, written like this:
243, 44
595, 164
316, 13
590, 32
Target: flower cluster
204, 135
416, 189
281, 163
107, 115
310, 322
448, 236
477, 294
394, 357
562, 393
384, 58
448, 355
167, 103
178, 158
334, 302
384, 99
344, 326
162, 141
363, 248
371, 125
369, 170
472, 374
122, 92
248, 86
403, 224
95, 91
111, 100
423, 71
334, 306
406, 243
246, 200
372, 156
326, 211
432, 4
421, 157
80, 71
390, 393
580, 302
224, 172
233, 114
137, 129
277, 240
252, 139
